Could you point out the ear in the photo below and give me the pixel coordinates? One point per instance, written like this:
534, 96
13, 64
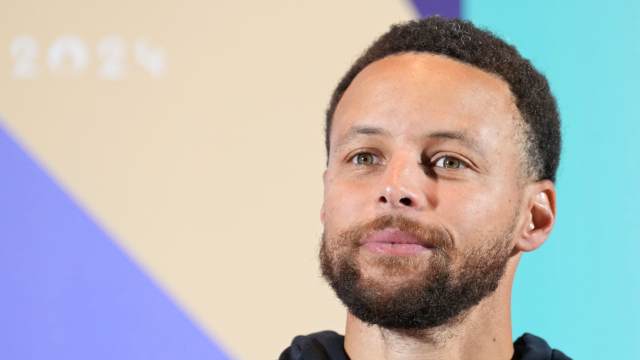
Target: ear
324, 184
540, 215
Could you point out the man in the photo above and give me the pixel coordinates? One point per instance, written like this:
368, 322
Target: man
442, 144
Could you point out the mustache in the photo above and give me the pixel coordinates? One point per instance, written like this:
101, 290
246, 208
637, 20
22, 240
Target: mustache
428, 236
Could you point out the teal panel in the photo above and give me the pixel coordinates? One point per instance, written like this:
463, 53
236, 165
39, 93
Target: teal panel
581, 290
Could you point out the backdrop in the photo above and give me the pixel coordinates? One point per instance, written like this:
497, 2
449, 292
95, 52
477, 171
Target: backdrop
160, 172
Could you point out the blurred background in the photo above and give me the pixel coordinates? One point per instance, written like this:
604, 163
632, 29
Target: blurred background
160, 172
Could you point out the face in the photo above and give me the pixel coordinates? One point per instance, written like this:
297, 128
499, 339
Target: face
422, 190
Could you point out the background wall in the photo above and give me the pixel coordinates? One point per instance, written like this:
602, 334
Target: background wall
160, 173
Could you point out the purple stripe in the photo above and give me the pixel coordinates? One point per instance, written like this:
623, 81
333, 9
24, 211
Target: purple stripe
444, 8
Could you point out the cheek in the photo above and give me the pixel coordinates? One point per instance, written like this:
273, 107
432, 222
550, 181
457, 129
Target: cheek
480, 210
345, 204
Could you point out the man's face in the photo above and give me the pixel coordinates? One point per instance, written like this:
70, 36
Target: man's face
422, 190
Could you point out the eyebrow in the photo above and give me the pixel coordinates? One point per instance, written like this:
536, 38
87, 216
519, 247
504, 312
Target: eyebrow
458, 136
356, 131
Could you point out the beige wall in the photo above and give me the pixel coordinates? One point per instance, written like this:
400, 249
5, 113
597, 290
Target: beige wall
192, 131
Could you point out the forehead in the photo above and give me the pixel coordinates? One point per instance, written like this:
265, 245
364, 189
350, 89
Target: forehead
418, 92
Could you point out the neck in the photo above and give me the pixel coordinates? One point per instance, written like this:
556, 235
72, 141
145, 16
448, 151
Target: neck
483, 333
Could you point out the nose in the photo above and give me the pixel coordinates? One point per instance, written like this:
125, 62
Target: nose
403, 185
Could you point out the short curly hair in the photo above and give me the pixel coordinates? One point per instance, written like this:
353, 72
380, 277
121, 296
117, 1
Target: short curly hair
461, 40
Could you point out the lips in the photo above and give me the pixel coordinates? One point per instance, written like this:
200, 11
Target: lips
394, 242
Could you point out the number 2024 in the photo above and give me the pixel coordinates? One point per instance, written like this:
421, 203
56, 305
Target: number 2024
70, 55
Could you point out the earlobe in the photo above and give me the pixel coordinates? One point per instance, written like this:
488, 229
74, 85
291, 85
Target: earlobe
541, 215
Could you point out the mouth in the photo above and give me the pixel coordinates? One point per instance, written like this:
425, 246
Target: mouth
392, 241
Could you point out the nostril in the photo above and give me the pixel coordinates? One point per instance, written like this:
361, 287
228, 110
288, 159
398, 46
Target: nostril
405, 201
382, 199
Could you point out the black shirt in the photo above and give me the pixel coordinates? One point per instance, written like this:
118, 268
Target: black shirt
328, 345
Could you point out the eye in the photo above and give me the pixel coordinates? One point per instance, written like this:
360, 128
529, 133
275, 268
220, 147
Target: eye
365, 158
450, 162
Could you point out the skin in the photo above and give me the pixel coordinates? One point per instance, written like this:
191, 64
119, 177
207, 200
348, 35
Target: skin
443, 147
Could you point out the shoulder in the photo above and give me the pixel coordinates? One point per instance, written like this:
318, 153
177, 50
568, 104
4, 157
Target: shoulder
531, 347
323, 345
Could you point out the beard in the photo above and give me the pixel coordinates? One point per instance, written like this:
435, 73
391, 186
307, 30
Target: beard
413, 292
